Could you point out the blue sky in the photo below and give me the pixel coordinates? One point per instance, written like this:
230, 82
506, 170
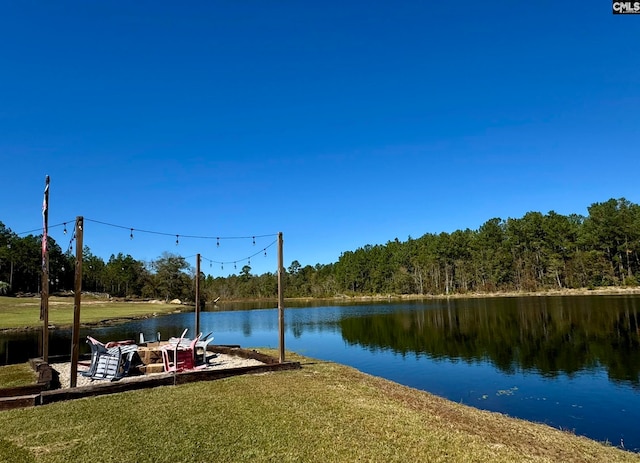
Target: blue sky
338, 124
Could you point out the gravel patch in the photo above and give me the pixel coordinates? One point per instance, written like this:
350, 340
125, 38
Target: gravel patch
221, 361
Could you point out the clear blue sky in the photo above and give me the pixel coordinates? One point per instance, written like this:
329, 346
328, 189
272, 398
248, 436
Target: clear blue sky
339, 124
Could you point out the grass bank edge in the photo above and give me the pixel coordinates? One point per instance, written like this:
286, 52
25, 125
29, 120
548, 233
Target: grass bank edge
322, 412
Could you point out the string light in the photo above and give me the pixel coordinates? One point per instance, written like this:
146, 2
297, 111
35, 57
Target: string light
217, 238
51, 227
71, 243
247, 259
177, 235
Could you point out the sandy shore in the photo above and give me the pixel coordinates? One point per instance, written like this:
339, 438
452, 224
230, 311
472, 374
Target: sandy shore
221, 361
601, 291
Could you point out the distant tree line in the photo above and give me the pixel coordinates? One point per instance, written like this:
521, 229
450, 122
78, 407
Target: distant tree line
535, 252
532, 253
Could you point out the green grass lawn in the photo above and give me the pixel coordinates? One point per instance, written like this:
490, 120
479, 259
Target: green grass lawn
324, 412
17, 375
25, 312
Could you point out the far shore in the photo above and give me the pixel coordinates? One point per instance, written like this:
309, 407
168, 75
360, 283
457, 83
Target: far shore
605, 290
612, 290
175, 308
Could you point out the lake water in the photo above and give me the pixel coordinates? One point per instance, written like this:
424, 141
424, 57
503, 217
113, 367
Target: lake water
570, 362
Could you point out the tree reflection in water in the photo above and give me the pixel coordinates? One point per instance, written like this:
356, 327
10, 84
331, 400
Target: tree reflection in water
548, 335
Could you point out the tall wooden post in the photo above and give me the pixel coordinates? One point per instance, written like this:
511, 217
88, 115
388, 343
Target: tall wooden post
197, 295
75, 338
44, 291
280, 297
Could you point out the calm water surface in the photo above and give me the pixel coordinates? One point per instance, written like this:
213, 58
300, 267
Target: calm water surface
570, 362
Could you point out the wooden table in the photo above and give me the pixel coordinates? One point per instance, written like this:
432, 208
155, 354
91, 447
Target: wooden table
151, 355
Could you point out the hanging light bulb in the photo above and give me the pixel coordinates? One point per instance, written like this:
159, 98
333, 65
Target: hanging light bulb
254, 240
222, 266
234, 266
265, 253
65, 228
177, 240
218, 242
131, 234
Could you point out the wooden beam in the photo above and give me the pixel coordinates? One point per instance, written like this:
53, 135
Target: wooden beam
197, 295
44, 293
280, 298
75, 347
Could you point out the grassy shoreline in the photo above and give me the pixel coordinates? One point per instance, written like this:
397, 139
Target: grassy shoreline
324, 412
17, 375
20, 314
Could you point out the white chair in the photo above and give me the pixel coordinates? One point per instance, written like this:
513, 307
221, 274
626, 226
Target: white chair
202, 343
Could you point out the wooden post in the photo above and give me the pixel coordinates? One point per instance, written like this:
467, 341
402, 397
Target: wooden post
75, 339
197, 295
44, 291
280, 297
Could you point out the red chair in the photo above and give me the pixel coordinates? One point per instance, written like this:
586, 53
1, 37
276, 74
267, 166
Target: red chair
181, 355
